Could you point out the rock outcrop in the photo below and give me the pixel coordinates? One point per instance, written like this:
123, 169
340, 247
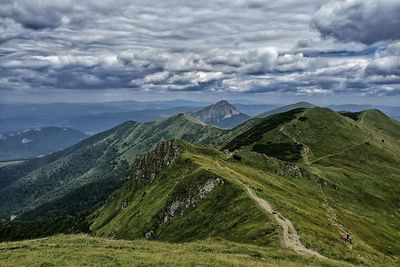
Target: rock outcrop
148, 166
189, 199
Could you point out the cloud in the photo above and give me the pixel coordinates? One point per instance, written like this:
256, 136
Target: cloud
236, 46
38, 14
365, 21
386, 61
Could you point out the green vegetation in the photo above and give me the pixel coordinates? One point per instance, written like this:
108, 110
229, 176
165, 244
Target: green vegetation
82, 250
257, 131
326, 173
20, 230
176, 206
282, 151
58, 184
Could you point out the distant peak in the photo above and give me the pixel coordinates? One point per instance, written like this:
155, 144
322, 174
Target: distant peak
223, 102
217, 112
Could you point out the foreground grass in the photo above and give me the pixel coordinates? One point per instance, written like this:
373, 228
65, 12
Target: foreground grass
83, 250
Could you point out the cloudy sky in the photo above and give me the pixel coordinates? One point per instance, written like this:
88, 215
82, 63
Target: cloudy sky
340, 51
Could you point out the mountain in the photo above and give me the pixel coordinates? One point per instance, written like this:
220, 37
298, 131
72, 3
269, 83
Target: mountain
281, 188
221, 114
311, 170
36, 142
286, 108
83, 175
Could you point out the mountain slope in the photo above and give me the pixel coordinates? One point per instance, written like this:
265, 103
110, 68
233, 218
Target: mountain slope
222, 114
292, 182
316, 200
83, 175
286, 108
37, 142
172, 195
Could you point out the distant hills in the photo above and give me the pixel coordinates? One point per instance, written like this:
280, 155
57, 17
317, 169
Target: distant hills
221, 114
36, 142
286, 108
92, 118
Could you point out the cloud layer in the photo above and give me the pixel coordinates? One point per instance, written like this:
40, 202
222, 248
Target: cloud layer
210, 46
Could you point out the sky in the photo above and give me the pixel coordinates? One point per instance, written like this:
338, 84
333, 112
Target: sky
327, 52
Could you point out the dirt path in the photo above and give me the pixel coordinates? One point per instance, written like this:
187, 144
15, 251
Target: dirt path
290, 237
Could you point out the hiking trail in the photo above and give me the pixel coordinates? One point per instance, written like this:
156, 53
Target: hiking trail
290, 238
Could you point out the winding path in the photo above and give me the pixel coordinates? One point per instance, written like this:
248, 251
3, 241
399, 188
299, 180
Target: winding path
290, 237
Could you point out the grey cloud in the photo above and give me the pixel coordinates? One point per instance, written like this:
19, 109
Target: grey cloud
164, 45
366, 21
386, 61
37, 14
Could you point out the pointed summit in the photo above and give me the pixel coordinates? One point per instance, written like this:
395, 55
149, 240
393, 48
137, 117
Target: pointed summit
221, 114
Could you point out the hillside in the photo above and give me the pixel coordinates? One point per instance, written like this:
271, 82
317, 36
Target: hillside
81, 176
331, 189
36, 142
221, 114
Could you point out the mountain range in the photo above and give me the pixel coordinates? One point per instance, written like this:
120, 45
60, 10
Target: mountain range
96, 117
280, 189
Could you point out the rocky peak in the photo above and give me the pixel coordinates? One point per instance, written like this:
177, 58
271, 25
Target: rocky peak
217, 112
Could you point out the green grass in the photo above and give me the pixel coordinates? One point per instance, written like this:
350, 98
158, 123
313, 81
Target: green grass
82, 250
320, 212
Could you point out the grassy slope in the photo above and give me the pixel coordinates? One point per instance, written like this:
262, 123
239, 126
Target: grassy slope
230, 213
81, 250
356, 191
360, 171
227, 212
100, 162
